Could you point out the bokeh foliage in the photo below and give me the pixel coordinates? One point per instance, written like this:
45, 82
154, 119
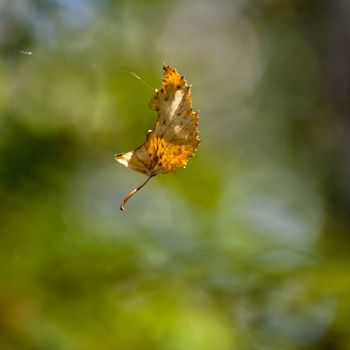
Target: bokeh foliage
248, 248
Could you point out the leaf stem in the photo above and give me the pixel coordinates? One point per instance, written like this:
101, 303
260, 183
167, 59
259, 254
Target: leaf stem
130, 194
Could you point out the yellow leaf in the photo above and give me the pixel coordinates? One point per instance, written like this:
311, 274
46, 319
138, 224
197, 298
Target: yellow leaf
174, 140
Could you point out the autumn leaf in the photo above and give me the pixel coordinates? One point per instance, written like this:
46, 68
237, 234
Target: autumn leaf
175, 138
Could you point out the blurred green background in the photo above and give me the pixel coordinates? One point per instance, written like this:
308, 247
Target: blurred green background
247, 248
